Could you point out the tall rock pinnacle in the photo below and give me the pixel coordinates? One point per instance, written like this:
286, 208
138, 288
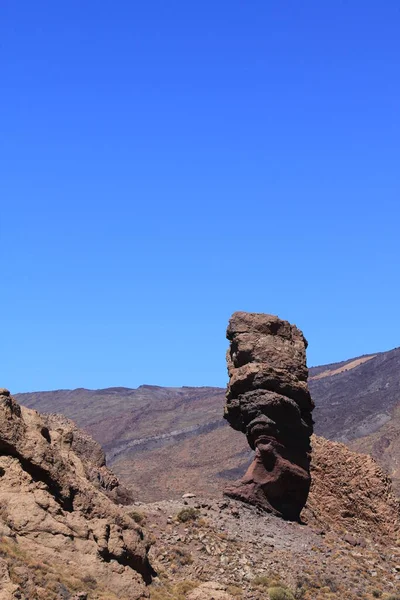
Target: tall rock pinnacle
268, 400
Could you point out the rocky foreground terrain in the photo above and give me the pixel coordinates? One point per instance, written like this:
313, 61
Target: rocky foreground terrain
347, 546
70, 531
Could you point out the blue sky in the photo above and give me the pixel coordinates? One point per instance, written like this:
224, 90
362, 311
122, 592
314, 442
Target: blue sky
163, 164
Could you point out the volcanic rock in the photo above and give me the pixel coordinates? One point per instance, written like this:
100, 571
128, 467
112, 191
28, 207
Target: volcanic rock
59, 531
93, 458
268, 400
351, 492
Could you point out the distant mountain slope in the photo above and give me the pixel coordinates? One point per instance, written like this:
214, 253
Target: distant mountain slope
336, 368
159, 439
357, 397
122, 417
166, 440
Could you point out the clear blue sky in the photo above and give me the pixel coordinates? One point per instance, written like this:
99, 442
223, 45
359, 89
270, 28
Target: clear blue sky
165, 163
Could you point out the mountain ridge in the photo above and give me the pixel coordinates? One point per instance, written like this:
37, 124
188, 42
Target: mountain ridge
151, 427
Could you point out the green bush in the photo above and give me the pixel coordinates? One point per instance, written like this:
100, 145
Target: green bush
280, 593
187, 514
137, 516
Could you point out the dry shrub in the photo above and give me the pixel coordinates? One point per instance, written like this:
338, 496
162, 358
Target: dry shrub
187, 514
280, 593
138, 517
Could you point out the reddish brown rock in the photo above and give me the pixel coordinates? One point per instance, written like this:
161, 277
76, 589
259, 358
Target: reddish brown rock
268, 400
351, 493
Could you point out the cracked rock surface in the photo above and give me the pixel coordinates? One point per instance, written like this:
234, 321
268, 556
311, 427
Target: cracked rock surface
60, 533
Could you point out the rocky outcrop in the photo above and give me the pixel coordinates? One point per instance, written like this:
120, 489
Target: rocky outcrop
93, 458
268, 400
59, 531
351, 493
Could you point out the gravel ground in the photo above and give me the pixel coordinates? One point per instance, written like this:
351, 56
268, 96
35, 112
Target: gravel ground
248, 551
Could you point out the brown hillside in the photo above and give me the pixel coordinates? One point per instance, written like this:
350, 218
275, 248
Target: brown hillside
145, 429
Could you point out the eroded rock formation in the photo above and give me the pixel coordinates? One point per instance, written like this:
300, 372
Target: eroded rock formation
350, 492
268, 400
60, 532
92, 456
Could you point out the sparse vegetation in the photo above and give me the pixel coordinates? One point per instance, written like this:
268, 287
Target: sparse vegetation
300, 593
265, 581
181, 555
138, 517
234, 591
168, 591
261, 581
280, 593
331, 584
90, 582
187, 514
47, 576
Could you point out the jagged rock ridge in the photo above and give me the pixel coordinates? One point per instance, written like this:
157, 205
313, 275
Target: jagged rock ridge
268, 400
54, 505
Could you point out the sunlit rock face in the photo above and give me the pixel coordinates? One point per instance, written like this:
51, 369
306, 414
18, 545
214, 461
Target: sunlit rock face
268, 400
61, 503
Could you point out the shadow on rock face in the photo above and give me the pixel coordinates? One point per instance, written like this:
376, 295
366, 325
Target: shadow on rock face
57, 504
